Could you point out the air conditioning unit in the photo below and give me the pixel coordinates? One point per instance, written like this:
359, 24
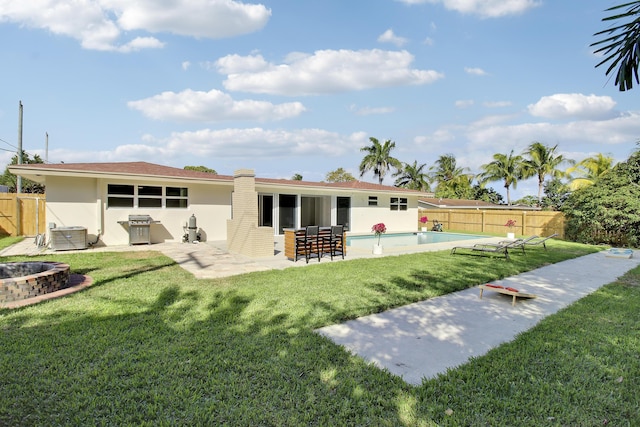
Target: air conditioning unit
68, 238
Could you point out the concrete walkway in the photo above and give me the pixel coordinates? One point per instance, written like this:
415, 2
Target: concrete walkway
425, 339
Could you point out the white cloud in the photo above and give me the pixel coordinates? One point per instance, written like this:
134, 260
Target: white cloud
497, 104
573, 105
475, 71
483, 8
368, 111
186, 65
490, 120
475, 143
464, 103
195, 18
428, 41
440, 136
572, 136
140, 43
234, 64
212, 106
389, 37
249, 146
326, 71
99, 24
262, 143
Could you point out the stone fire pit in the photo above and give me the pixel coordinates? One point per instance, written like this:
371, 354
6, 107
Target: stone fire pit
23, 280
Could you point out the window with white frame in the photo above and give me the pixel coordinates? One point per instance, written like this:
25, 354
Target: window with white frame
146, 196
177, 198
149, 196
398, 204
120, 196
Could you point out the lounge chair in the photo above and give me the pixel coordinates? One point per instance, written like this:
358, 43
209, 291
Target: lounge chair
488, 248
525, 240
541, 241
517, 243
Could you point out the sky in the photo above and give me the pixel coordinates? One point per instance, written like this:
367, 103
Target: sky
298, 87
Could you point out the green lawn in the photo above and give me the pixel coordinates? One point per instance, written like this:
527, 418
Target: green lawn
148, 344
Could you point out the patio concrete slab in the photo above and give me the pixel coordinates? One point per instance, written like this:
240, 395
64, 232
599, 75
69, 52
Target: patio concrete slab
421, 340
211, 260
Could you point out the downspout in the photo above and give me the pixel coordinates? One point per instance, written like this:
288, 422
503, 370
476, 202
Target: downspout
99, 212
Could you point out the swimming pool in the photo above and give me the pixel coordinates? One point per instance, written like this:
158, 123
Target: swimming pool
408, 239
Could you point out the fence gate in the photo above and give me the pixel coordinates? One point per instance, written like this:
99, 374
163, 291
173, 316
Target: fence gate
22, 214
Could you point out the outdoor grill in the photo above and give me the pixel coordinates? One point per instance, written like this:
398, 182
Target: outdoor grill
139, 228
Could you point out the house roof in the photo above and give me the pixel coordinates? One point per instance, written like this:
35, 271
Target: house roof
39, 171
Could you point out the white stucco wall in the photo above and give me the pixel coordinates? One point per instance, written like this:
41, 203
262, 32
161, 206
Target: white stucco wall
72, 202
363, 216
83, 202
211, 205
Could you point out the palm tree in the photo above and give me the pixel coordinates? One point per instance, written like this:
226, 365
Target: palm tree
506, 168
542, 162
589, 170
622, 44
450, 179
378, 159
413, 177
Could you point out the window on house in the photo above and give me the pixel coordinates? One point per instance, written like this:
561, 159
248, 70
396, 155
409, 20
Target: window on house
177, 198
120, 196
373, 200
146, 196
398, 204
149, 196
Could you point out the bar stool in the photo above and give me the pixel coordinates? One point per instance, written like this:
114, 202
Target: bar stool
335, 240
300, 238
312, 242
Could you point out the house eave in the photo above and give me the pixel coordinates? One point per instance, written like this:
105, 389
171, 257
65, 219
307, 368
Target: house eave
150, 172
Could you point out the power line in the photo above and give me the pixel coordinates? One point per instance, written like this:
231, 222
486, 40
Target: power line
25, 152
8, 143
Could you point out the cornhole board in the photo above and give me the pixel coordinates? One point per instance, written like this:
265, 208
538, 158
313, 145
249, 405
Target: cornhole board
619, 253
507, 291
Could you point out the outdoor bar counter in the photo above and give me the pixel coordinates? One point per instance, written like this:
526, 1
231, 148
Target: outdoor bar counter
290, 235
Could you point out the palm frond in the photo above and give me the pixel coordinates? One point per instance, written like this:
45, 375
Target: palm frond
622, 46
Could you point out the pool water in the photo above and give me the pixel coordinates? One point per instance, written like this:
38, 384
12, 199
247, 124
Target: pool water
408, 239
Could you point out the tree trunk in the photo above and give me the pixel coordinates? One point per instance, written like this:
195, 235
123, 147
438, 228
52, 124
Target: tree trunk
540, 185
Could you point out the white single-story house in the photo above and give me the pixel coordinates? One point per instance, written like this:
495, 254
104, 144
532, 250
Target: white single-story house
101, 196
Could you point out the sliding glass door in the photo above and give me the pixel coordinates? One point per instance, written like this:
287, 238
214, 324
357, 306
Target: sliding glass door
343, 214
287, 210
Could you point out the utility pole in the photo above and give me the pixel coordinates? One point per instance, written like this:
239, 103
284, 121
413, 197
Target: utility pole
19, 178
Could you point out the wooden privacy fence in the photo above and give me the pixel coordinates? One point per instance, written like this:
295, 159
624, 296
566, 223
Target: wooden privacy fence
22, 214
541, 223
